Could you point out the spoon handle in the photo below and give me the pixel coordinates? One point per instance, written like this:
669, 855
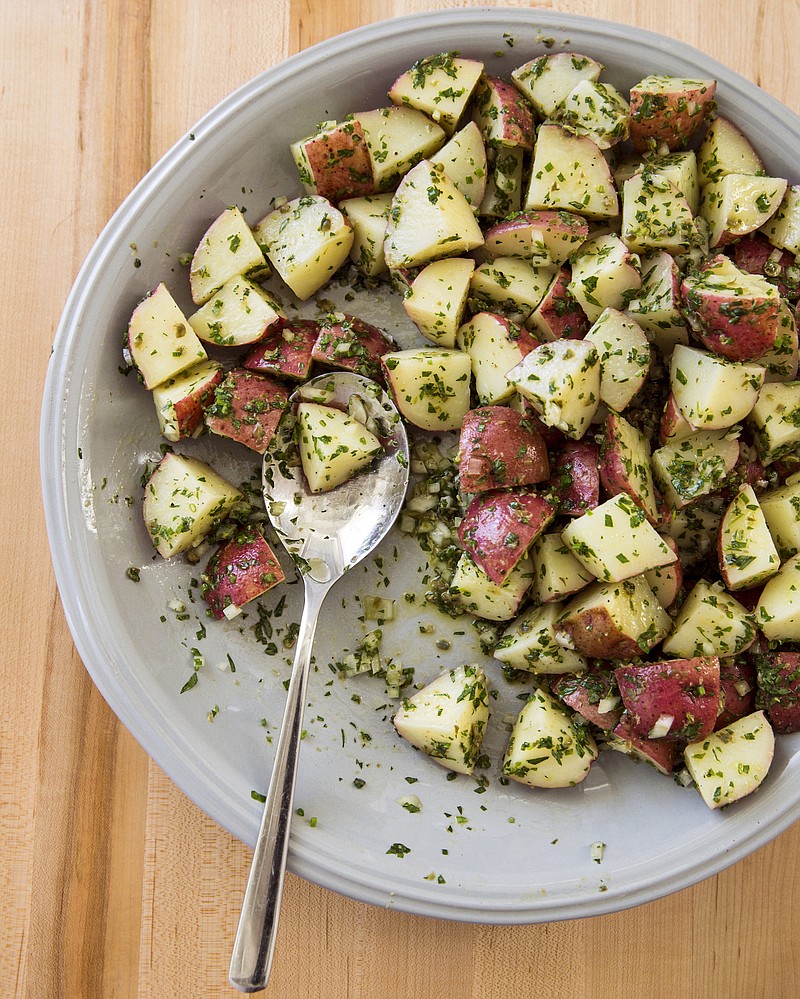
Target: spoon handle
254, 945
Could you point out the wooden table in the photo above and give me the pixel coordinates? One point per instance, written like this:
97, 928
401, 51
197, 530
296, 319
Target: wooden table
113, 883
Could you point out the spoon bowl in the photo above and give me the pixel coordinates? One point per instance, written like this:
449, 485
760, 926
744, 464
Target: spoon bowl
326, 534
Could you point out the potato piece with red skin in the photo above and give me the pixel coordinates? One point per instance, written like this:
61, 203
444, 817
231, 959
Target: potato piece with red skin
673, 425
559, 314
247, 408
614, 620
668, 110
503, 115
737, 680
756, 255
778, 677
659, 753
181, 401
734, 314
335, 162
576, 477
239, 571
666, 581
499, 449
675, 699
625, 466
547, 238
586, 692
350, 344
286, 353
499, 527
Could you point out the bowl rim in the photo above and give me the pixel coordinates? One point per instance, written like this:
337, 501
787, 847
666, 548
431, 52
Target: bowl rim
54, 460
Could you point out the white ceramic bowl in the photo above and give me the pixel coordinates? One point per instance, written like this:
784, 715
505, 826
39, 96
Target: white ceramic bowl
504, 856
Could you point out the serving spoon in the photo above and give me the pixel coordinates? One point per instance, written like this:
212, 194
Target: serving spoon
326, 534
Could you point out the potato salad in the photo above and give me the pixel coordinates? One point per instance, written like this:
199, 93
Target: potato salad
601, 290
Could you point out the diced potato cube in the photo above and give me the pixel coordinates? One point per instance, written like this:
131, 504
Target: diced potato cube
733, 761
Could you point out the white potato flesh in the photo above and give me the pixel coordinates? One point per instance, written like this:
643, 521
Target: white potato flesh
228, 248
666, 580
429, 219
657, 305
570, 172
368, 217
494, 345
546, 239
694, 466
625, 355
680, 168
184, 499
710, 623
333, 446
463, 159
562, 381
733, 761
778, 611
694, 529
172, 396
615, 540
447, 718
482, 597
546, 748
596, 110
161, 342
783, 229
737, 204
711, 392
547, 80
440, 86
775, 420
747, 553
655, 215
781, 509
237, 314
511, 284
437, 298
604, 275
503, 195
557, 574
725, 150
397, 138
430, 386
530, 643
306, 240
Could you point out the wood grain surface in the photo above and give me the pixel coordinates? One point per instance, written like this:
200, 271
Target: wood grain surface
112, 883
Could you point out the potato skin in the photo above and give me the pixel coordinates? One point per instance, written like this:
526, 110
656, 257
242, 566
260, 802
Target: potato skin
669, 116
661, 753
583, 692
735, 704
339, 163
286, 352
350, 344
754, 253
247, 408
499, 527
576, 477
240, 570
594, 633
686, 689
499, 449
778, 676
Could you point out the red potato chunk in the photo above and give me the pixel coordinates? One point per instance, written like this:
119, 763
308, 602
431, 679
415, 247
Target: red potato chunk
239, 571
778, 676
498, 529
503, 115
673, 426
734, 314
285, 353
335, 163
625, 467
675, 699
669, 110
247, 408
545, 237
659, 753
588, 693
350, 344
756, 255
737, 678
559, 315
576, 477
500, 449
